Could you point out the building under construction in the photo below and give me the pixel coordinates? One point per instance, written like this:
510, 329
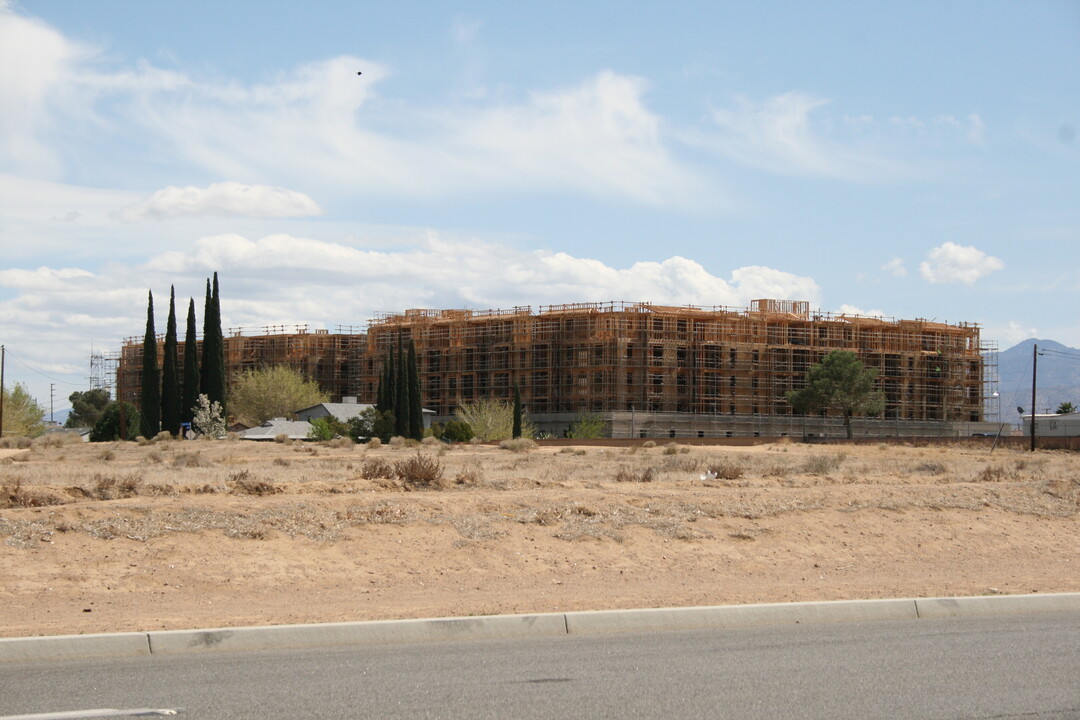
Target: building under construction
658, 371
319, 355
648, 370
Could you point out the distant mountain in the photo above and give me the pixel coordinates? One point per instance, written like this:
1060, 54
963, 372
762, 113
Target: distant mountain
1058, 378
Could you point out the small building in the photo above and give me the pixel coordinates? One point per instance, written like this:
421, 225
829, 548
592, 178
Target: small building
271, 429
343, 411
1053, 425
346, 410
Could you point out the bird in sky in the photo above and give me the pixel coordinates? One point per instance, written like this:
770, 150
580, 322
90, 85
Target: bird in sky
359, 72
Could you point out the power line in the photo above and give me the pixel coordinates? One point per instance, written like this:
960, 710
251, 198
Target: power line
44, 375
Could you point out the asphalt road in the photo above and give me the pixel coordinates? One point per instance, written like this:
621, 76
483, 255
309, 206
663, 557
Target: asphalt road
1001, 667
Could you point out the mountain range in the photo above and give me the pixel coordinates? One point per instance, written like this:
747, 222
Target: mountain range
1057, 381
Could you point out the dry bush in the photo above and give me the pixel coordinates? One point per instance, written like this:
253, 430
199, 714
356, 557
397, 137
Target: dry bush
188, 460
341, 442
991, 473
518, 445
18, 442
648, 444
244, 483
163, 436
283, 439
107, 455
55, 440
823, 464
374, 443
726, 469
431, 441
111, 487
625, 474
14, 495
671, 448
382, 512
419, 471
932, 468
283, 462
469, 476
375, 468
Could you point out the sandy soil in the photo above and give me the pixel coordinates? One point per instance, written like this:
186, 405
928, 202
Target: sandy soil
178, 535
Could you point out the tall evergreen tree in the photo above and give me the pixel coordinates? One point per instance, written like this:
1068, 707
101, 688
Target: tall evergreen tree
402, 422
170, 373
190, 393
516, 431
150, 397
416, 409
206, 368
213, 361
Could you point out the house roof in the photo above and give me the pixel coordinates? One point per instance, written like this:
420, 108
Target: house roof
342, 411
295, 429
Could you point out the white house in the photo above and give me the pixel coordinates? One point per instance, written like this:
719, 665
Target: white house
346, 410
1054, 425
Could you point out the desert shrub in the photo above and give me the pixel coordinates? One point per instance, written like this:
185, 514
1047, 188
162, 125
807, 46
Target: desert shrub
283, 462
491, 419
671, 448
518, 445
932, 468
55, 439
163, 436
187, 460
244, 483
991, 473
430, 441
341, 442
823, 464
18, 442
624, 474
14, 495
648, 444
587, 426
468, 476
283, 439
143, 441
419, 471
726, 469
374, 468
110, 487
374, 443
456, 431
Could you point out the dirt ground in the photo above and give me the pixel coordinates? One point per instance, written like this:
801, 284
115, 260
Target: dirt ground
117, 537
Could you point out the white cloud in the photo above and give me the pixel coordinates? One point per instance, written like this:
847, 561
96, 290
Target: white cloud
778, 135
965, 264
35, 60
55, 314
854, 310
895, 267
972, 128
223, 199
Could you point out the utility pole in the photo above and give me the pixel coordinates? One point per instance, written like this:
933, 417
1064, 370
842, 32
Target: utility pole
52, 404
1034, 372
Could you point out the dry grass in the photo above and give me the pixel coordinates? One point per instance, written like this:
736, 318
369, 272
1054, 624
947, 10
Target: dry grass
290, 488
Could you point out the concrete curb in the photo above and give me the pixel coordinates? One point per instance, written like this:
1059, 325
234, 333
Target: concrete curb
63, 647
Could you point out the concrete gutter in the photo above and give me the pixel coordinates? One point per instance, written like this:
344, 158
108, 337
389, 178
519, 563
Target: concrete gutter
62, 647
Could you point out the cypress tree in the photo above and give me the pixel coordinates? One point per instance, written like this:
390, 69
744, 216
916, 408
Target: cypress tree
190, 394
150, 398
516, 432
402, 423
170, 374
205, 367
212, 378
416, 410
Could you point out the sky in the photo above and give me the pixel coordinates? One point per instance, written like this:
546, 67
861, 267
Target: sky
911, 160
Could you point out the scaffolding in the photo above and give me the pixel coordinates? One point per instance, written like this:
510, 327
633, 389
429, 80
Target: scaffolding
618, 357
319, 355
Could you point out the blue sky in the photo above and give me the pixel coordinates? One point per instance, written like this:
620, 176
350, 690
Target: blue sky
915, 159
